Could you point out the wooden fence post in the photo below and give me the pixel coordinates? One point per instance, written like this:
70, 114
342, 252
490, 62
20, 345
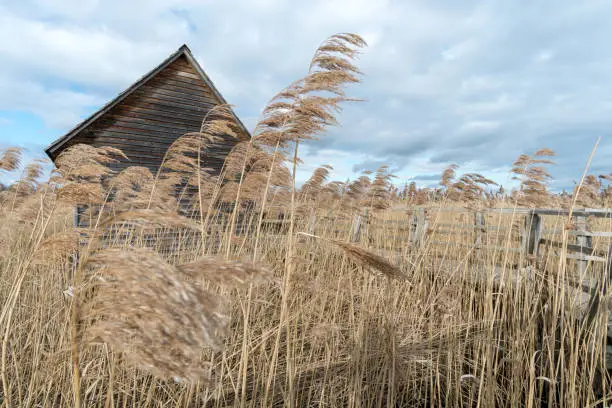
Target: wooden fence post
607, 271
77, 216
418, 226
413, 230
479, 230
365, 223
583, 241
356, 228
531, 234
312, 223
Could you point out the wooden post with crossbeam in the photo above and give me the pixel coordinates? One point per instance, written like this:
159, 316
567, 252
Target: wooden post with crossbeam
583, 240
531, 234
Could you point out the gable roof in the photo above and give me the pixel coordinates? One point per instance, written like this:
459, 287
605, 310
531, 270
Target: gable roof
55, 147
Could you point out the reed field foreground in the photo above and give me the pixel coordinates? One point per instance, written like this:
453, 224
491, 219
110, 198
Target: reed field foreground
184, 288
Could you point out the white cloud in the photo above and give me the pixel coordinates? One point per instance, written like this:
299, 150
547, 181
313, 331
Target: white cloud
545, 55
90, 56
341, 161
441, 78
478, 127
460, 50
60, 108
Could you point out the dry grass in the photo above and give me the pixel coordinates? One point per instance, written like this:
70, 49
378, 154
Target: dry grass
196, 299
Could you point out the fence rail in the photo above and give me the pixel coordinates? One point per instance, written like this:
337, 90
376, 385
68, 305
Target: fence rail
416, 229
532, 232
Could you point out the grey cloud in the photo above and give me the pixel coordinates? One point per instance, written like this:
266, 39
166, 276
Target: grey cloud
426, 177
474, 83
371, 165
374, 165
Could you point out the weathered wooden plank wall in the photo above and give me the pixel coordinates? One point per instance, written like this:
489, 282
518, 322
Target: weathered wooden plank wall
150, 119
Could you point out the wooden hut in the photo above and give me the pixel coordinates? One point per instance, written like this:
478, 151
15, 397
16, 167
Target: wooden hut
146, 118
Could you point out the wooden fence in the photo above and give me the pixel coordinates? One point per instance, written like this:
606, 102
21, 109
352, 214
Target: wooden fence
531, 234
421, 230
573, 231
418, 228
421, 227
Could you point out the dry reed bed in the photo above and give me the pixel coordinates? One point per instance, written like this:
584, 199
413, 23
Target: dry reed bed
350, 338
159, 312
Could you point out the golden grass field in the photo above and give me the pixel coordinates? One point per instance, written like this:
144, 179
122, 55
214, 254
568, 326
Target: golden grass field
198, 299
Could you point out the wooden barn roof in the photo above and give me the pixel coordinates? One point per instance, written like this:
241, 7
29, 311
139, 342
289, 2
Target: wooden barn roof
58, 145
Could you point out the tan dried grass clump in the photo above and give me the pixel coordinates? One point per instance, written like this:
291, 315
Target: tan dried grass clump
85, 163
158, 315
151, 219
132, 187
251, 168
313, 186
185, 155
184, 175
357, 191
265, 171
58, 247
409, 192
29, 208
238, 157
28, 183
81, 174
81, 193
34, 170
146, 309
472, 187
315, 191
228, 274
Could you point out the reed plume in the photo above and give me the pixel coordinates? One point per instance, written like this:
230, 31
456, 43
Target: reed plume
58, 248
10, 158
182, 174
148, 310
358, 190
301, 112
365, 258
369, 260
131, 188
381, 189
81, 193
314, 185
533, 177
85, 163
448, 175
589, 195
471, 186
158, 315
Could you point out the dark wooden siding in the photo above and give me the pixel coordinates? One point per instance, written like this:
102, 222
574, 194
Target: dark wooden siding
145, 124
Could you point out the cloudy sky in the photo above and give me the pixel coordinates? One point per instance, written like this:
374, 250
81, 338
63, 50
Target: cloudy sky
471, 82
